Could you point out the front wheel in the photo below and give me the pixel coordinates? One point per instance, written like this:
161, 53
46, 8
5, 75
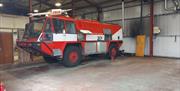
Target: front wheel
72, 56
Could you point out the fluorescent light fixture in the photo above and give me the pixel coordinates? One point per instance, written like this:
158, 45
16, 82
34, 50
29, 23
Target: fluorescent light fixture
58, 4
1, 5
36, 11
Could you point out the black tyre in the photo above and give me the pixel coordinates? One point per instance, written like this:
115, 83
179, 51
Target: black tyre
113, 51
72, 56
50, 59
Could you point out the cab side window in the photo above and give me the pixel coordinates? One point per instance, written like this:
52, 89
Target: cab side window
70, 27
48, 27
58, 25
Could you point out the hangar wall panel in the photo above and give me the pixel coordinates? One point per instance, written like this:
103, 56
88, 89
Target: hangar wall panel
166, 44
133, 11
130, 42
12, 21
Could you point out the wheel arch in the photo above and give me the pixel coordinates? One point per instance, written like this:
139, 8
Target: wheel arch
112, 43
73, 44
116, 43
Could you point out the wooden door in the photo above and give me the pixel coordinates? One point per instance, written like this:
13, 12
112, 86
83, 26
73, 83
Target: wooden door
6, 48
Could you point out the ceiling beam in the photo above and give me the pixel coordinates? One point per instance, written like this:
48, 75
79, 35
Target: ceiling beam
15, 5
103, 2
92, 4
14, 8
119, 3
68, 3
36, 4
88, 6
40, 2
45, 2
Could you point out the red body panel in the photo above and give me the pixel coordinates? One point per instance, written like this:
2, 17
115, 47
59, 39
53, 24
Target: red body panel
95, 27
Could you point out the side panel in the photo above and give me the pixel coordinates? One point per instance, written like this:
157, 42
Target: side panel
95, 48
118, 35
101, 47
94, 37
53, 48
90, 48
64, 37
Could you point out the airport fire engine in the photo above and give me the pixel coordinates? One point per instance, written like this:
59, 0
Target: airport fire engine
59, 37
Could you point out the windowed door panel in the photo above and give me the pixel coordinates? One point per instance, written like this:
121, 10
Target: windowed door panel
70, 27
58, 25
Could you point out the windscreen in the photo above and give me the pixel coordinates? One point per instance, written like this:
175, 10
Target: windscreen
34, 28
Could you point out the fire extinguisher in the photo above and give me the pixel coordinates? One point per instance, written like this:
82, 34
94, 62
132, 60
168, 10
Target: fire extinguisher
2, 87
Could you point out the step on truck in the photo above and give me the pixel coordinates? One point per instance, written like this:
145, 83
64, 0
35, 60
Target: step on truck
56, 36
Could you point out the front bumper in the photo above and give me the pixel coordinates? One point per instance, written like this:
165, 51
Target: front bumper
31, 47
39, 48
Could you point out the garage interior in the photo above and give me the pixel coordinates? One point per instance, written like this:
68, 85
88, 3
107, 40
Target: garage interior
148, 59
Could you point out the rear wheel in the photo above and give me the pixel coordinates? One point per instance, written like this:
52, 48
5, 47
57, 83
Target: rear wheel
50, 59
72, 56
113, 51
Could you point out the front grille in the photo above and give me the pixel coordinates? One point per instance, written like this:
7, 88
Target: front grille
31, 47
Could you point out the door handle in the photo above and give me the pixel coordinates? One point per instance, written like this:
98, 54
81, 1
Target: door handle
0, 49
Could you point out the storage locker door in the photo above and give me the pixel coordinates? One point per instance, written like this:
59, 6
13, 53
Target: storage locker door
6, 48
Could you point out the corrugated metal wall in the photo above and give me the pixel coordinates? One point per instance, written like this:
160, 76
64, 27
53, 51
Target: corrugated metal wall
166, 44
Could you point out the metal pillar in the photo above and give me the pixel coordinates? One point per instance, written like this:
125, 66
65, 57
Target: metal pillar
141, 19
30, 9
123, 15
30, 19
151, 27
73, 8
100, 15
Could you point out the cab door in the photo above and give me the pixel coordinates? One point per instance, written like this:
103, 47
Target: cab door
47, 34
64, 31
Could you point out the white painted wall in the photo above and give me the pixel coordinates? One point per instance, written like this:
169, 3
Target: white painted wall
165, 46
129, 45
12, 22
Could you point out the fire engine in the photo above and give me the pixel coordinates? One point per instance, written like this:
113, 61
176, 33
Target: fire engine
60, 37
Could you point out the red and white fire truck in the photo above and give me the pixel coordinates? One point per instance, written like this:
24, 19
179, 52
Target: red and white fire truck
59, 37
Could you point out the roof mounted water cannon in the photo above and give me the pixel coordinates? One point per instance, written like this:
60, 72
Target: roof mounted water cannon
52, 12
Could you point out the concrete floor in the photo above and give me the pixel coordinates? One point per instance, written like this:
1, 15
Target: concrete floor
125, 74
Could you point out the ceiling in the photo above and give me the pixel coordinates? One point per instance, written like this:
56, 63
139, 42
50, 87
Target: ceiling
21, 7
